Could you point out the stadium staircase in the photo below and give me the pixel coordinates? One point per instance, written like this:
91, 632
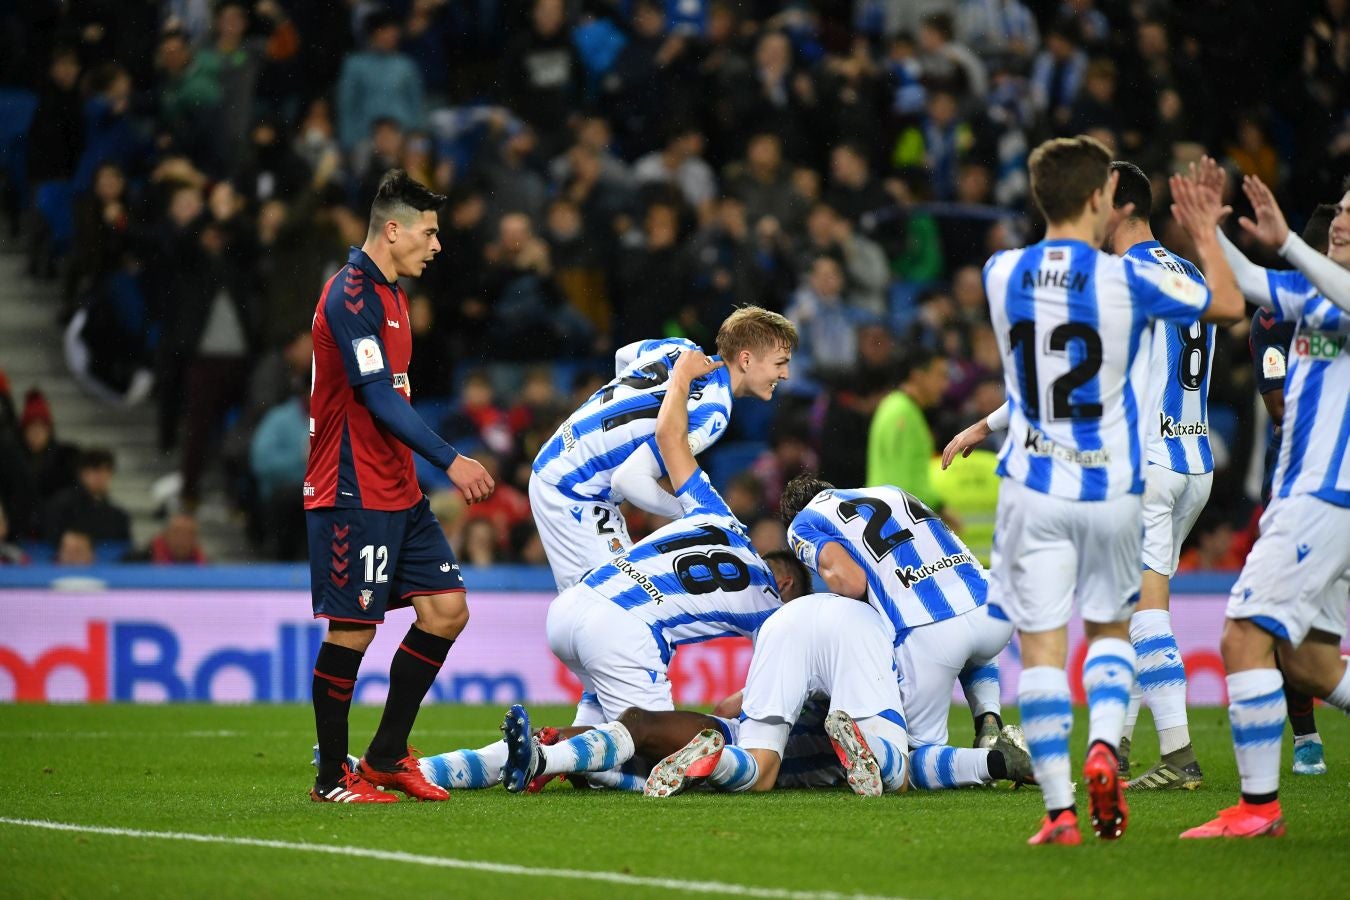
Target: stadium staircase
32, 355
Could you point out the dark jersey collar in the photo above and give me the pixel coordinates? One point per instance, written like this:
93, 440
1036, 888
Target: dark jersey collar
359, 258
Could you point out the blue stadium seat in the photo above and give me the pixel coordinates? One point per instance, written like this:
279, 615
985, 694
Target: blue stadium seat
55, 202
727, 459
16, 117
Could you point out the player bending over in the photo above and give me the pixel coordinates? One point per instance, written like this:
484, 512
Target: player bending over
882, 545
1290, 592
604, 453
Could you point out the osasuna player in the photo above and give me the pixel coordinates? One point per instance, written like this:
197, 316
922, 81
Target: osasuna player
692, 580
603, 453
373, 543
1269, 341
1290, 593
882, 545
1072, 323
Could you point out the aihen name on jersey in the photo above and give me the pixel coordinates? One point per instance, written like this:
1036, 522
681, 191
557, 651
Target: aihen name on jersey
642, 580
1039, 444
1318, 346
1067, 279
910, 576
1169, 427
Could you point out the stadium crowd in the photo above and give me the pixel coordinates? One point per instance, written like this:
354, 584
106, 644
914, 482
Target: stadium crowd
192, 172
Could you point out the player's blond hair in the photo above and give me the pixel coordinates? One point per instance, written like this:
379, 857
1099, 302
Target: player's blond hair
757, 330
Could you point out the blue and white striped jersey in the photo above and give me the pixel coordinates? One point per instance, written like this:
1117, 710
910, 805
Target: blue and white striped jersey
694, 579
1071, 321
583, 453
1178, 379
918, 571
1316, 431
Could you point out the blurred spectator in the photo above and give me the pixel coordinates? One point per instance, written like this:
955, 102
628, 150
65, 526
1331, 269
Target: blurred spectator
651, 281
507, 508
378, 82
969, 492
788, 456
508, 179
384, 151
745, 497
937, 143
56, 137
681, 164
189, 95
899, 442
866, 271
768, 534
762, 181
1252, 153
234, 61
1087, 22
1056, 77
948, 61
176, 543
1212, 547
580, 275
74, 548
85, 506
52, 465
542, 75
853, 192
479, 544
530, 316
526, 547
269, 168
478, 417
637, 93
826, 320
1000, 31
314, 139
109, 133
11, 554
102, 235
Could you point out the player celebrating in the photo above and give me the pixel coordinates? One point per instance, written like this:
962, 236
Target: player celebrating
603, 453
883, 546
1269, 342
694, 579
373, 542
1071, 321
1288, 592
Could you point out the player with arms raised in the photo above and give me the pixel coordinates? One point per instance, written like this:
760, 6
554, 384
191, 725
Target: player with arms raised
1071, 321
1290, 593
374, 544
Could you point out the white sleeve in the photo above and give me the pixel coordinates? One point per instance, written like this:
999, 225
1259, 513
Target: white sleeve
636, 479
1329, 277
998, 419
1251, 278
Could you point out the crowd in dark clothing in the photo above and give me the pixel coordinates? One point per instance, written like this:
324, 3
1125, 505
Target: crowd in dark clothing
616, 171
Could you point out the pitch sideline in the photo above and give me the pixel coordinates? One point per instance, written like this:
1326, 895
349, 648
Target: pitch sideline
671, 884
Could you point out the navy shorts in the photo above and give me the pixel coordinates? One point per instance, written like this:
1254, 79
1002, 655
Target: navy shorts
365, 561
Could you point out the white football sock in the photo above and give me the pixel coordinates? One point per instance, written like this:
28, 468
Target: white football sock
1108, 673
603, 747
1256, 712
1161, 675
466, 769
1047, 719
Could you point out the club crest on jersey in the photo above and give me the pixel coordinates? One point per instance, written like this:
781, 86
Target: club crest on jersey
1169, 427
366, 594
615, 545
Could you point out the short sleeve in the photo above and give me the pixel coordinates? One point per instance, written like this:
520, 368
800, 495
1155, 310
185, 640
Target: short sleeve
1166, 294
355, 322
697, 495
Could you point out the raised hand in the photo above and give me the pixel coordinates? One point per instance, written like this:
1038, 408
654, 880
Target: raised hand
694, 364
1209, 174
966, 441
1198, 208
1270, 228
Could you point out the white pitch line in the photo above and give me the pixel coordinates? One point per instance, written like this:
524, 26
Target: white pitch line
226, 733
445, 862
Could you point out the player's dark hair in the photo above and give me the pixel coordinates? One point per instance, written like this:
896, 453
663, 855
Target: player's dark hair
1317, 233
801, 575
799, 492
400, 198
914, 359
1065, 172
1132, 186
755, 329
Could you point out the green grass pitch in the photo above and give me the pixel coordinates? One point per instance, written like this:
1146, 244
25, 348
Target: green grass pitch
243, 772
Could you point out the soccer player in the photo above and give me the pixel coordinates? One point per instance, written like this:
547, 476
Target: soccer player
603, 453
883, 546
1289, 593
373, 543
1269, 341
694, 579
1071, 322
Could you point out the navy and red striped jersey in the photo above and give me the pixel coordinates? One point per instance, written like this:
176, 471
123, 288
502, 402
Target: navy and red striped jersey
361, 335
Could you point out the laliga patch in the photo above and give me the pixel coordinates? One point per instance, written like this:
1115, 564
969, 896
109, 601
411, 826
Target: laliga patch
1181, 288
1272, 363
369, 359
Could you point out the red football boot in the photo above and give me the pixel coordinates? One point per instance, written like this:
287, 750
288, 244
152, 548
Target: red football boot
1245, 820
1106, 792
351, 788
406, 776
1063, 829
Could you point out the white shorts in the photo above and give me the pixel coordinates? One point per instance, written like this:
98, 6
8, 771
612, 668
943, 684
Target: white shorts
931, 659
577, 535
1172, 503
1050, 553
820, 644
1295, 578
613, 652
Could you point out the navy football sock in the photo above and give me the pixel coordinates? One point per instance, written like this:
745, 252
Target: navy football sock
334, 682
415, 666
